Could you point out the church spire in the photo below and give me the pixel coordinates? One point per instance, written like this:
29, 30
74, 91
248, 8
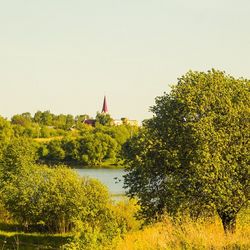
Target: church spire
105, 106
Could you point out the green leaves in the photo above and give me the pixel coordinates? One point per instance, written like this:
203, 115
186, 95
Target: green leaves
17, 157
56, 198
93, 148
193, 153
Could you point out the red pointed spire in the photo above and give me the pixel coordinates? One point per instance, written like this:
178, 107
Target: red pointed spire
104, 106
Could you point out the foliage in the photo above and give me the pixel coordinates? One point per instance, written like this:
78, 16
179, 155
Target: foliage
92, 148
54, 200
105, 233
103, 119
43, 124
6, 134
24, 119
193, 154
79, 121
55, 150
69, 139
17, 158
125, 213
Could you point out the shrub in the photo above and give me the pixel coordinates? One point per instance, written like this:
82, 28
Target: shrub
54, 199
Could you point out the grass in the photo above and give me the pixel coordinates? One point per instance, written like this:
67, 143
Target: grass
165, 235
32, 241
43, 140
12, 237
203, 234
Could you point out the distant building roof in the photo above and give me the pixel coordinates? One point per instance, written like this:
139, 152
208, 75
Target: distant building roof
90, 122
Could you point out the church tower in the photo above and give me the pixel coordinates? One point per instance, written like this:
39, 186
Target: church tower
105, 106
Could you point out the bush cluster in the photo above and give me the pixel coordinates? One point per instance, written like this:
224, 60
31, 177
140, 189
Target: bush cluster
57, 200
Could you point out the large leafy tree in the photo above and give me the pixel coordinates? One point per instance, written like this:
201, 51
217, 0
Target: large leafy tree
193, 155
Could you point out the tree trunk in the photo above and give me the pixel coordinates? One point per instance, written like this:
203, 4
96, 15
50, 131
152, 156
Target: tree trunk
229, 222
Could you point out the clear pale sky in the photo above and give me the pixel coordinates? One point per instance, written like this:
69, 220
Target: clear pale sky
65, 55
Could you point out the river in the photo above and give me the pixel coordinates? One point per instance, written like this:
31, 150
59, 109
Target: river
112, 178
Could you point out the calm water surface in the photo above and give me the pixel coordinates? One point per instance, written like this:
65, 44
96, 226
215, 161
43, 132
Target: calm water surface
112, 178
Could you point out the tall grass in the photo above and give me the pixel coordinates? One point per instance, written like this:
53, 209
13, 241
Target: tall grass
201, 234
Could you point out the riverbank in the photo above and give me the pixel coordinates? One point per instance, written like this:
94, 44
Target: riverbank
77, 165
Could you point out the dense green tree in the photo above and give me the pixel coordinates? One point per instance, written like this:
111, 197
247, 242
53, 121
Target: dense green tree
103, 119
85, 129
6, 134
60, 121
55, 151
46, 118
68, 199
120, 134
71, 147
33, 131
24, 126
96, 148
27, 115
42, 151
194, 153
102, 232
79, 121
18, 130
24, 119
6, 131
63, 121
18, 155
17, 158
38, 117
69, 122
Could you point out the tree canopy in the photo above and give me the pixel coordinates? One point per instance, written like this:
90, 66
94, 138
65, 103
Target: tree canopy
193, 155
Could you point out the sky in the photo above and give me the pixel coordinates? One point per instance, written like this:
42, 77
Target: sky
64, 56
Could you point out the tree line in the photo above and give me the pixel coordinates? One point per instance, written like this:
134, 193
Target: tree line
69, 140
46, 124
93, 147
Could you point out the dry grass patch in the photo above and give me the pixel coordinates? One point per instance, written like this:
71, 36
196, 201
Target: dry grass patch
48, 139
186, 235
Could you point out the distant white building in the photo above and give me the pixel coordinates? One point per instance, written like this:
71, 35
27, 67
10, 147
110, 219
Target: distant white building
117, 122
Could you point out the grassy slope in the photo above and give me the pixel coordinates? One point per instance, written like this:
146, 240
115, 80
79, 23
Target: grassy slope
28, 241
